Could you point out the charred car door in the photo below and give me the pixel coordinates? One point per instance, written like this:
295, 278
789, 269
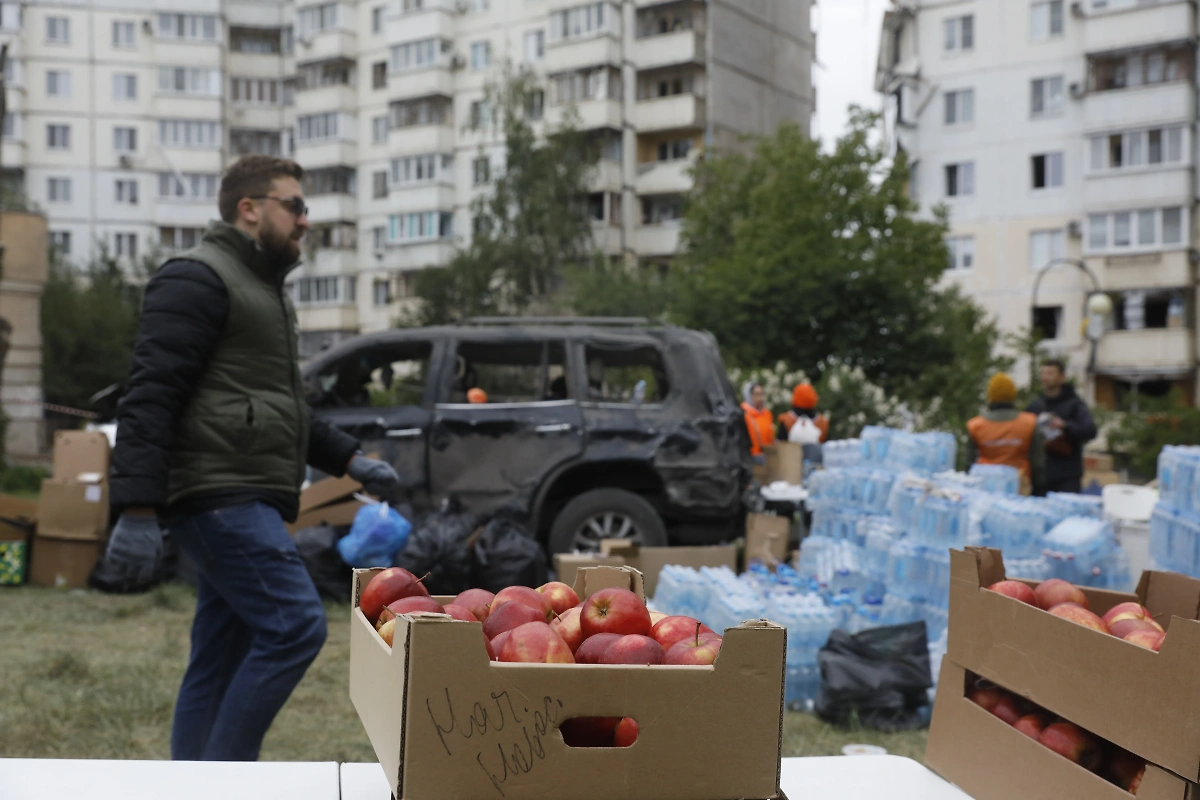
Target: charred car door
488, 454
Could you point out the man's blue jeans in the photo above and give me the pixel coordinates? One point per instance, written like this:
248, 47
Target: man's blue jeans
259, 624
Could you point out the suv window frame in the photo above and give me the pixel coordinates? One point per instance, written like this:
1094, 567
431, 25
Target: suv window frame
329, 361
580, 356
445, 389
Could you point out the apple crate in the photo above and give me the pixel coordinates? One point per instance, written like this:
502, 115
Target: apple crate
991, 760
1135, 698
447, 723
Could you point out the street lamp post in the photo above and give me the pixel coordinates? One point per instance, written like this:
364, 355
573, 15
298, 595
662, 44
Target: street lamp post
1098, 305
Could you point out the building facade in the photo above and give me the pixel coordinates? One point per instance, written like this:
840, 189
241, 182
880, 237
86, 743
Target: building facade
122, 115
1060, 132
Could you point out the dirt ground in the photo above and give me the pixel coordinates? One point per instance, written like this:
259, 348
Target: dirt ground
87, 675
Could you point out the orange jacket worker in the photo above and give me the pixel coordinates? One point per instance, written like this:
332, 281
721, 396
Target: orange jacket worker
814, 427
759, 421
1004, 435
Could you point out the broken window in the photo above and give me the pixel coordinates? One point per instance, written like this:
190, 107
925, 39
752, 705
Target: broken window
614, 374
512, 372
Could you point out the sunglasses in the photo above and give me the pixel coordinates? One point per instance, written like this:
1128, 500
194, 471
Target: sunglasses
293, 204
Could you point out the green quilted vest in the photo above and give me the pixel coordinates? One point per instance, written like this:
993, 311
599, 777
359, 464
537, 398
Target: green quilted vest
247, 423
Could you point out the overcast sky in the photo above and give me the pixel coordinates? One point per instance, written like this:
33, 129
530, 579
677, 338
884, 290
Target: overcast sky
847, 48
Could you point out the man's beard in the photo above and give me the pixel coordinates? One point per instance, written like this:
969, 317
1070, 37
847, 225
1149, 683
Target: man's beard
281, 249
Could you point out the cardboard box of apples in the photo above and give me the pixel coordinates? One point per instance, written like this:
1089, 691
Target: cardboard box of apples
575, 692
1120, 669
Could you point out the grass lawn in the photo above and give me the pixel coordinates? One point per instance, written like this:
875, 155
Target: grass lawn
87, 675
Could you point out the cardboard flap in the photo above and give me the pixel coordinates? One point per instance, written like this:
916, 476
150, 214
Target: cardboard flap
1169, 594
78, 452
589, 580
18, 509
328, 491
988, 566
618, 547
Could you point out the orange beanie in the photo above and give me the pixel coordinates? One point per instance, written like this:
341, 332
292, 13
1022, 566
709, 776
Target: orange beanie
477, 396
804, 396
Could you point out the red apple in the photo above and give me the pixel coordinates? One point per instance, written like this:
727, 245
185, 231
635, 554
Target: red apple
386, 588
1080, 616
1073, 743
1124, 626
1009, 709
615, 611
675, 629
986, 698
498, 643
1151, 640
411, 605
507, 616
633, 649
1016, 590
626, 732
699, 650
476, 601
589, 731
566, 625
491, 651
593, 647
1124, 767
656, 617
560, 595
535, 643
388, 630
460, 613
1032, 725
526, 597
1056, 591
1130, 611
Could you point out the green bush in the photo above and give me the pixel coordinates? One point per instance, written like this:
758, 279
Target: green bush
22, 480
1137, 437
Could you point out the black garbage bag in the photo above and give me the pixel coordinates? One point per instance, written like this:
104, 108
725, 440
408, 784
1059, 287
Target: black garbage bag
507, 554
881, 676
440, 544
318, 550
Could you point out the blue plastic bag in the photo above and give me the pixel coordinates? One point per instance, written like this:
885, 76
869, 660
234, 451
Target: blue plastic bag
378, 533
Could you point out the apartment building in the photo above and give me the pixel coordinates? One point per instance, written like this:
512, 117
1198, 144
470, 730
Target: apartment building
122, 115
1060, 132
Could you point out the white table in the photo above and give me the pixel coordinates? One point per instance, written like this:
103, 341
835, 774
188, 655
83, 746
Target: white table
54, 779
834, 778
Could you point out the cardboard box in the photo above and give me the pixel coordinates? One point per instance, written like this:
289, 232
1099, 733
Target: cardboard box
448, 724
80, 453
337, 515
14, 562
1097, 462
63, 563
1141, 700
18, 520
767, 535
73, 510
785, 462
990, 760
567, 565
327, 492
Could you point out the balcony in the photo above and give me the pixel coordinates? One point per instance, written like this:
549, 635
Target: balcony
339, 97
665, 177
1169, 270
606, 176
332, 207
435, 20
182, 106
606, 238
403, 199
250, 14
649, 3
255, 65
421, 139
183, 213
332, 261
1135, 187
669, 49
334, 317
1148, 351
12, 154
326, 45
592, 114
326, 153
657, 240
421, 83
1122, 109
419, 255
259, 118
582, 54
1139, 26
681, 111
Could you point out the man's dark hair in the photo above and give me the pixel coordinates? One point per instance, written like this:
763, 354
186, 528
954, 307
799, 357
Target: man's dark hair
1058, 365
251, 176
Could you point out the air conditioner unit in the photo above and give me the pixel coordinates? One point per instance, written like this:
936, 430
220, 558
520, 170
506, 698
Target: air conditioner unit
126, 162
147, 26
1077, 9
457, 62
379, 255
304, 40
462, 6
1077, 91
1075, 229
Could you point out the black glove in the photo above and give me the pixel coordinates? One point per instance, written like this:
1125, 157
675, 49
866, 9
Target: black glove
377, 477
135, 547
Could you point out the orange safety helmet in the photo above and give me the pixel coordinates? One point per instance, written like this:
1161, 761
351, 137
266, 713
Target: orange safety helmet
476, 396
804, 396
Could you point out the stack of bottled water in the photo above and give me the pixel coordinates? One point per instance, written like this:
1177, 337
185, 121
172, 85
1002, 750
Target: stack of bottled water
1175, 523
997, 478
841, 453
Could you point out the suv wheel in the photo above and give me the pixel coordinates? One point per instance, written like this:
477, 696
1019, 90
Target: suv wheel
606, 514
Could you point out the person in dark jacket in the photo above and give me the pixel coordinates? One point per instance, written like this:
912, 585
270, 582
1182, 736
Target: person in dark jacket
212, 442
1066, 426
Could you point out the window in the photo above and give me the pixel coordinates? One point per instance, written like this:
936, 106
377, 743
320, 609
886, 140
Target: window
960, 107
58, 137
125, 192
187, 186
1048, 171
1046, 246
381, 292
332, 72
179, 238
478, 5
1047, 320
481, 170
1172, 222
378, 237
315, 127
526, 372
377, 19
480, 113
257, 91
535, 104
58, 30
60, 242
419, 226
1143, 229
125, 139
423, 111
58, 190
674, 150
383, 376
331, 180
1046, 96
187, 133
58, 83
1153, 147
962, 252
960, 34
124, 87
379, 184
244, 142
190, 80
122, 33
316, 19
581, 22
409, 6
481, 55
320, 291
10, 126
415, 169
262, 41
960, 179
535, 46
614, 373
194, 27
603, 83
1163, 64
379, 129
338, 236
657, 210
1047, 20
125, 245
379, 71
415, 55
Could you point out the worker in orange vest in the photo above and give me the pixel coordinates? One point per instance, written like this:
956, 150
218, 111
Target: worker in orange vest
814, 427
759, 421
1004, 435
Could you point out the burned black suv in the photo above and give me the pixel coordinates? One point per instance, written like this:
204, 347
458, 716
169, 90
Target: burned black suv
591, 428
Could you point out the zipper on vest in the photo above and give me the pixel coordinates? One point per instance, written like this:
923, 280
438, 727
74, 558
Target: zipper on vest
290, 334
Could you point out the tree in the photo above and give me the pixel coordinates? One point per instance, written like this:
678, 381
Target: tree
800, 256
530, 227
609, 288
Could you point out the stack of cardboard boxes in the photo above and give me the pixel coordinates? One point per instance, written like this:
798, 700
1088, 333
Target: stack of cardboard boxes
73, 513
1132, 697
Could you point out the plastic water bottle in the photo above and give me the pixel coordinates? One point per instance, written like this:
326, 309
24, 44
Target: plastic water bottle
639, 392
